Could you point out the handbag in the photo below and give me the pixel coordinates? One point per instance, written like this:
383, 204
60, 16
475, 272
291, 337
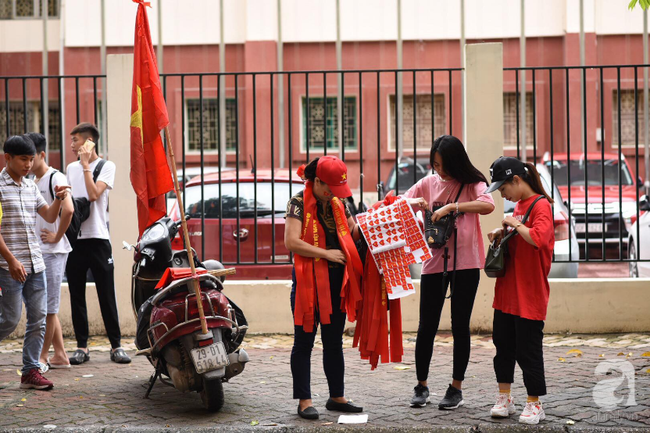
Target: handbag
438, 233
495, 260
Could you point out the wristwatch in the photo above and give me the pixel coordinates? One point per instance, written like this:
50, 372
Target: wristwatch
517, 225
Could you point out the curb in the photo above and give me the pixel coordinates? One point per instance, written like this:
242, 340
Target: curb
479, 428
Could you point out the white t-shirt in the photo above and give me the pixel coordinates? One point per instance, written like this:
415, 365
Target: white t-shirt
58, 178
96, 226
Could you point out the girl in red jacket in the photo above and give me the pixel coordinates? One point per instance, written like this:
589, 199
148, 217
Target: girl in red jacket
521, 295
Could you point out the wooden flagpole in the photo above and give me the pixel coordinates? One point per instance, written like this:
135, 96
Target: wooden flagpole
190, 254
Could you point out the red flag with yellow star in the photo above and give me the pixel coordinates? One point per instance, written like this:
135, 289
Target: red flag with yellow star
150, 174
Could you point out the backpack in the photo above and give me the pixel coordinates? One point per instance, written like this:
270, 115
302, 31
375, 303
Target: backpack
81, 207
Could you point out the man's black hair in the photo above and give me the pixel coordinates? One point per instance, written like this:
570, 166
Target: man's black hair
87, 129
18, 145
38, 140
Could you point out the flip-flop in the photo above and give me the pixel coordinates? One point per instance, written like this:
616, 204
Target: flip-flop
43, 367
60, 366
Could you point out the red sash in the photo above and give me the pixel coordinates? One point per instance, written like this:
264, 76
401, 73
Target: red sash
371, 333
312, 274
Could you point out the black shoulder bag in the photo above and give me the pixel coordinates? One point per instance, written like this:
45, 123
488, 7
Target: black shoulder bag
495, 261
438, 233
81, 207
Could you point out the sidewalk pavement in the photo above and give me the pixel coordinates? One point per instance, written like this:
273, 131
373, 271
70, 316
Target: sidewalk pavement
103, 396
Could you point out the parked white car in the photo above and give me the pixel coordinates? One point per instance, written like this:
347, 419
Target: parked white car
639, 247
566, 242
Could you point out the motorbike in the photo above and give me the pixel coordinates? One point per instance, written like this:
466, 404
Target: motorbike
169, 330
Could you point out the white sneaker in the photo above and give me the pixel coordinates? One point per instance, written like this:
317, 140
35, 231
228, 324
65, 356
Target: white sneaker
504, 407
533, 413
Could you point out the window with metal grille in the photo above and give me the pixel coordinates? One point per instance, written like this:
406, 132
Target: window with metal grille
628, 127
323, 123
6, 9
54, 127
210, 125
17, 119
52, 8
12, 9
34, 121
510, 102
430, 120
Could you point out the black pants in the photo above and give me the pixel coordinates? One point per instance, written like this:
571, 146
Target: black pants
96, 255
332, 337
432, 299
519, 340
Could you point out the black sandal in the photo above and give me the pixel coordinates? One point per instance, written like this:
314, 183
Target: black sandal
119, 356
79, 357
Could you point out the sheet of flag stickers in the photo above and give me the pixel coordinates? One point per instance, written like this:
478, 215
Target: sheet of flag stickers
396, 241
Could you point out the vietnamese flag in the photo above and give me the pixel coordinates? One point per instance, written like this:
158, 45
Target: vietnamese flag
150, 174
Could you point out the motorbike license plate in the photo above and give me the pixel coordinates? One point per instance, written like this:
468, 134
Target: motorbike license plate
593, 227
210, 357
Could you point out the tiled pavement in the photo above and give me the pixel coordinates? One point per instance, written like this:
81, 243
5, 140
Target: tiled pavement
102, 396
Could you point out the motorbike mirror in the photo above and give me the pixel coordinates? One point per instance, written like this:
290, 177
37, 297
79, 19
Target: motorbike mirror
126, 246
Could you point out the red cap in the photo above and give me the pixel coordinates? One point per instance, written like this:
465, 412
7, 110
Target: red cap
334, 173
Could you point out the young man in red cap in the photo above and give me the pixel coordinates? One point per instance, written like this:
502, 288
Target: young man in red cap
326, 280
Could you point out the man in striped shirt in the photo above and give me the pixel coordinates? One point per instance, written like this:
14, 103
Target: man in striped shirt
21, 263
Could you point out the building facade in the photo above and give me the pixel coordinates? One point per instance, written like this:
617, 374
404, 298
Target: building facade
364, 106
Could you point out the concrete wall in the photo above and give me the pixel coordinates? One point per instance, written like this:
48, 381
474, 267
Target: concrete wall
18, 36
123, 213
95, 324
576, 306
315, 21
483, 134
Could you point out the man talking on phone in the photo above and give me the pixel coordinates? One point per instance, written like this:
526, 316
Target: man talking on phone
92, 177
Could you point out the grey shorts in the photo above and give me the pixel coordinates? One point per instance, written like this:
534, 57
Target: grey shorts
55, 267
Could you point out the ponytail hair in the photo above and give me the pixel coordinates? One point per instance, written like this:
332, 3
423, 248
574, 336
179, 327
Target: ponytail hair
532, 178
308, 171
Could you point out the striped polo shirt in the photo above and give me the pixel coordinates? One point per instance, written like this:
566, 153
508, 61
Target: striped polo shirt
20, 202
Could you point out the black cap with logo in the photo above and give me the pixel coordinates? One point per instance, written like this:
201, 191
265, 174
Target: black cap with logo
503, 169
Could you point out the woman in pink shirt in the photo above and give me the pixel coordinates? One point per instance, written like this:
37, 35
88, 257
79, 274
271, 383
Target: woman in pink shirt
438, 193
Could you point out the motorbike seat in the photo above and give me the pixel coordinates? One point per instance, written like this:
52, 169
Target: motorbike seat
183, 285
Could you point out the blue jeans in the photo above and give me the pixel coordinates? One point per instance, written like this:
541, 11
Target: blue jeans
34, 293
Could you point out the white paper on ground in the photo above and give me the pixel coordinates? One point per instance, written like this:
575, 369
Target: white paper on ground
353, 419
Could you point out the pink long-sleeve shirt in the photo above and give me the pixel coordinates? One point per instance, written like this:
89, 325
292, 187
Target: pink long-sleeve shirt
470, 249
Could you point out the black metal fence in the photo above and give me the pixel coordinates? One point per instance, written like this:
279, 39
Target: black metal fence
591, 123
23, 104
279, 120
244, 134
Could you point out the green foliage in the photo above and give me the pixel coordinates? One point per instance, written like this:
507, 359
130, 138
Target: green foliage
644, 4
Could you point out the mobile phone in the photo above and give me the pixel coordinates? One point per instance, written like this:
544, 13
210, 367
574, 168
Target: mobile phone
89, 145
